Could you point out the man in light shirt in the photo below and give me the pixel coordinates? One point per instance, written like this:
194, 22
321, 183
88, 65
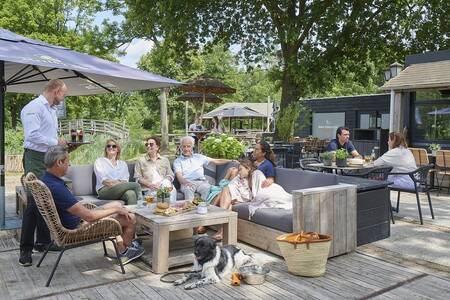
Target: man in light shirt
40, 126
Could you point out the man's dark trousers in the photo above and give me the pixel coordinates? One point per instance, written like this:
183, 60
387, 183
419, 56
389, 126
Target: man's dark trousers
33, 161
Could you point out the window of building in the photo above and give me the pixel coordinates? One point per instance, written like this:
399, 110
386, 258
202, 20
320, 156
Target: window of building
430, 121
373, 119
324, 125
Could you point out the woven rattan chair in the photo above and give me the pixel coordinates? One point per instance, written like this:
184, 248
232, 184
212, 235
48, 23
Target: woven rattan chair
106, 229
305, 162
419, 177
443, 168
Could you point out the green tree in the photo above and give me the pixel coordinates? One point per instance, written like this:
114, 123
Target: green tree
314, 39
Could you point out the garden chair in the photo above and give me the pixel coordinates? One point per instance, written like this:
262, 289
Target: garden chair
106, 229
377, 173
443, 168
305, 162
419, 178
420, 156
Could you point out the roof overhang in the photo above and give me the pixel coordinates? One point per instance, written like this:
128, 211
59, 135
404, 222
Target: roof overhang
433, 75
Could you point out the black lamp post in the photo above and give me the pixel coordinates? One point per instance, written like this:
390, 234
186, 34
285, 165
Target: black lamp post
393, 71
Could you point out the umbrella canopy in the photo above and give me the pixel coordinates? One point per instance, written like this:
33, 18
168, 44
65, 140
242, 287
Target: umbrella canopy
204, 85
30, 63
197, 97
235, 112
26, 65
444, 111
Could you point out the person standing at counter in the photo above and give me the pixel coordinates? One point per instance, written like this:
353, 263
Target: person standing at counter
342, 141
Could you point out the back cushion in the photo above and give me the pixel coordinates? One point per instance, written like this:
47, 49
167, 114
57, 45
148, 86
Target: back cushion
221, 170
81, 177
296, 179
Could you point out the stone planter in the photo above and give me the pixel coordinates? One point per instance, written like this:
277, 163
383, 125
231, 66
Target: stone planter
327, 162
341, 162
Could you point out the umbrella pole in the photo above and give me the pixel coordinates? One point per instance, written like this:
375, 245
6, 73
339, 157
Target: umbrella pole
2, 145
186, 126
203, 104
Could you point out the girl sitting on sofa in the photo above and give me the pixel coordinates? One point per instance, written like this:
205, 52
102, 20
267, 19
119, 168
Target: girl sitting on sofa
247, 186
112, 176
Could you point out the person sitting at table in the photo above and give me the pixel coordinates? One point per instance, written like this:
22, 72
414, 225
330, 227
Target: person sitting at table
265, 162
112, 176
189, 170
74, 214
400, 158
153, 171
342, 141
247, 186
197, 125
216, 128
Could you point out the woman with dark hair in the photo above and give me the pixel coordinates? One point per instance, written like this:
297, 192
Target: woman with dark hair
216, 128
247, 186
153, 171
265, 162
112, 176
400, 158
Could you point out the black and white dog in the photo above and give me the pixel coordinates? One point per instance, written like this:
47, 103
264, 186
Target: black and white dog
212, 262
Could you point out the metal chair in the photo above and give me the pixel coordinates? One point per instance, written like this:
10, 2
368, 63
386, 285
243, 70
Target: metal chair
305, 162
99, 231
419, 177
377, 173
443, 168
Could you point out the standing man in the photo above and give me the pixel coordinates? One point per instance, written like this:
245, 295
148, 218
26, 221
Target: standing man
40, 126
342, 141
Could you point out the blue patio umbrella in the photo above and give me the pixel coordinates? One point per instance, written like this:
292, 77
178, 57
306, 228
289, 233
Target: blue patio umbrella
27, 64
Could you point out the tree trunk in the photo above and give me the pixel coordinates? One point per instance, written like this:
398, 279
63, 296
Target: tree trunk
290, 89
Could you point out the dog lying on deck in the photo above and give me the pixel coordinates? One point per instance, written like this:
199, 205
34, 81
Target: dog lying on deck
212, 263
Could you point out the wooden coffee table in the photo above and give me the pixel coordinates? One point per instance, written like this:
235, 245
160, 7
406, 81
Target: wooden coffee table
161, 226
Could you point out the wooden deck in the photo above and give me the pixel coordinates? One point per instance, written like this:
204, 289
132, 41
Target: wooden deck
85, 274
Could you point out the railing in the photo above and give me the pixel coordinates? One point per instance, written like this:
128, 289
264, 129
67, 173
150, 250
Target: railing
111, 128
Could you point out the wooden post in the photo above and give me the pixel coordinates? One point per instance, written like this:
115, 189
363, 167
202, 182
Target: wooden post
164, 123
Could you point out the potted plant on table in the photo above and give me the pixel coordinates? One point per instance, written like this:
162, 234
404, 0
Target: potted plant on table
326, 158
163, 196
434, 148
341, 157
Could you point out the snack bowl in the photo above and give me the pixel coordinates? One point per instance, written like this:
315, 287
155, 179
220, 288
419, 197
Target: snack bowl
254, 274
355, 161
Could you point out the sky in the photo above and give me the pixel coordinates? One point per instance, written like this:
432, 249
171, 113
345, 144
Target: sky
134, 50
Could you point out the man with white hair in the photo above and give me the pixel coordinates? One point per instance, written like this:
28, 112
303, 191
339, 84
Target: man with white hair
188, 168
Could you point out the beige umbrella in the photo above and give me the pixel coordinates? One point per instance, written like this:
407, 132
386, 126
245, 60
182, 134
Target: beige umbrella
205, 85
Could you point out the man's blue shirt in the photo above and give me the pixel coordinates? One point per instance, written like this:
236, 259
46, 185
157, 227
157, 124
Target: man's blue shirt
334, 145
267, 168
63, 200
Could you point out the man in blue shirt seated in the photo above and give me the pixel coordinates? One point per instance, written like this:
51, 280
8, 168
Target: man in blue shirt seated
342, 141
72, 213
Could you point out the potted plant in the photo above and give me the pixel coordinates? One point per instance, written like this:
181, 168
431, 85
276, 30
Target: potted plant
326, 158
163, 196
341, 157
434, 148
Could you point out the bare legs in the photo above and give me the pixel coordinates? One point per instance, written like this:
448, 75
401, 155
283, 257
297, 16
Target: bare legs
225, 201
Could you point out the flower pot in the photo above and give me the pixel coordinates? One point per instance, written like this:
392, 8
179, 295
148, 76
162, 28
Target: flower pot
164, 202
341, 162
326, 162
433, 152
202, 208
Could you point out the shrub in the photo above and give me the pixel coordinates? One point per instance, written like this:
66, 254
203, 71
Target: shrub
13, 142
222, 146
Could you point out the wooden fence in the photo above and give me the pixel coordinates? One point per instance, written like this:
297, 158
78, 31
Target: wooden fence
111, 128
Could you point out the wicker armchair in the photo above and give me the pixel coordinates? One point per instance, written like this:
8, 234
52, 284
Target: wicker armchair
419, 177
105, 229
305, 164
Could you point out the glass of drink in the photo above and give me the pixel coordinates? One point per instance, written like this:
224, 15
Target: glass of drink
367, 159
149, 199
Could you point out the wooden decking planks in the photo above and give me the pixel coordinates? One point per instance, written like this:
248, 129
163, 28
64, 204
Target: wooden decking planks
86, 274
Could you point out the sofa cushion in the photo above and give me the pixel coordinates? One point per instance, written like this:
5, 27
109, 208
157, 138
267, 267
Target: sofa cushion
296, 179
276, 218
81, 177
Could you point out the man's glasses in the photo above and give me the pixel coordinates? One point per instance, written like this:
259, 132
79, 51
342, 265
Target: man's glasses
149, 144
111, 146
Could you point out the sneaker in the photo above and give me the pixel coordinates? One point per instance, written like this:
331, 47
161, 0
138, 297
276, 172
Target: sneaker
41, 248
25, 258
136, 243
131, 254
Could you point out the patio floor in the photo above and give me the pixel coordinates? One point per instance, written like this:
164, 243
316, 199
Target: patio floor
414, 263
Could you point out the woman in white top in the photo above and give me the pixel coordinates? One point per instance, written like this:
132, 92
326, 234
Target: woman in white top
112, 176
400, 158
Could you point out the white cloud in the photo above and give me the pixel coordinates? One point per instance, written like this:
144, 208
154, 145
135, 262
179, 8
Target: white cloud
134, 51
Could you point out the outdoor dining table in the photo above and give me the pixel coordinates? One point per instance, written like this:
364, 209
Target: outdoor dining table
342, 170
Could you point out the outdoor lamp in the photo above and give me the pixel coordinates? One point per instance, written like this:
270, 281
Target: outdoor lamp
393, 71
